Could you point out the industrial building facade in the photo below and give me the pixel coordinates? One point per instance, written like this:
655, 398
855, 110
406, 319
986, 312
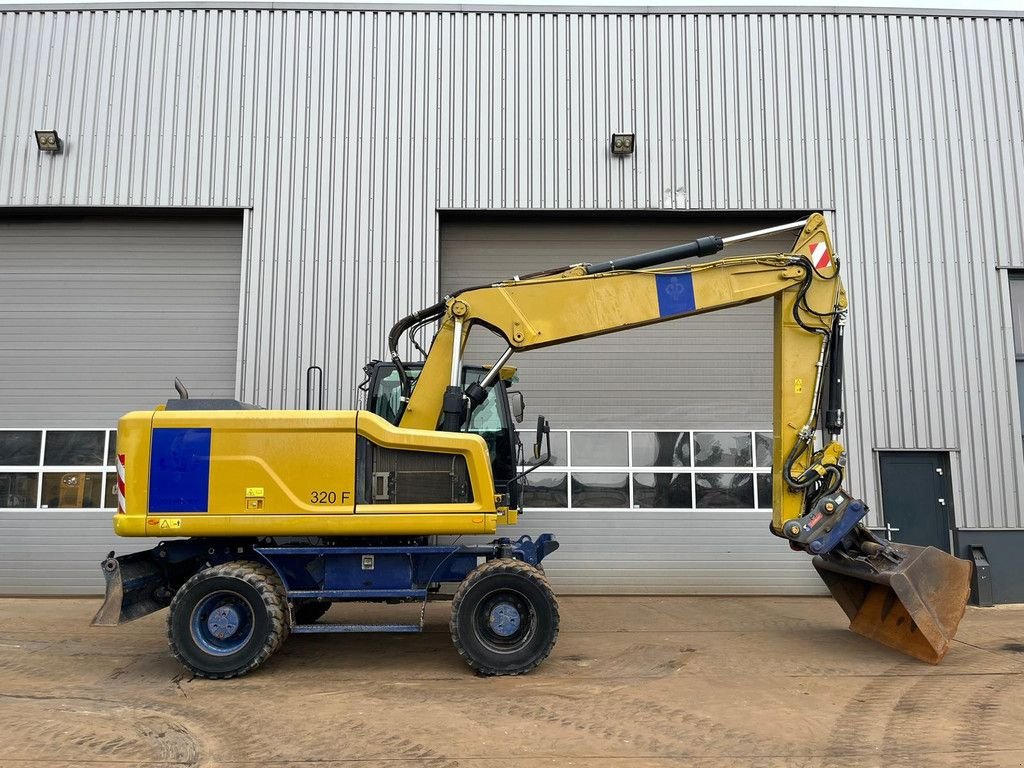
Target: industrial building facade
247, 196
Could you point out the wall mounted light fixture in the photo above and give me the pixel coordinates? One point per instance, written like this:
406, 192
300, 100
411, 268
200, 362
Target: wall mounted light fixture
623, 143
49, 141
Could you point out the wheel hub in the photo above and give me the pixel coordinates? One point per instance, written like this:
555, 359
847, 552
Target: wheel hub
224, 622
504, 619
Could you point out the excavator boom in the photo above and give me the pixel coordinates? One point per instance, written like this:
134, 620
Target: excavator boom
909, 598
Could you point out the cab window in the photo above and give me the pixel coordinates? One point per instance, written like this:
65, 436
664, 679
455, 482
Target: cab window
486, 417
388, 397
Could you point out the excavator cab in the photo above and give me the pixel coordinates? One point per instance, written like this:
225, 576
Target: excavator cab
494, 419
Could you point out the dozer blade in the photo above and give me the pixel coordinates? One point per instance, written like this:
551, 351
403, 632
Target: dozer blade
134, 588
914, 605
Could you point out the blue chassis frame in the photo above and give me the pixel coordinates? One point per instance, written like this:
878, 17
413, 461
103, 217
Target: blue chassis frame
143, 582
383, 573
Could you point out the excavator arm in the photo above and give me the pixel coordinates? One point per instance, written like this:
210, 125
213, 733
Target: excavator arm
909, 598
580, 303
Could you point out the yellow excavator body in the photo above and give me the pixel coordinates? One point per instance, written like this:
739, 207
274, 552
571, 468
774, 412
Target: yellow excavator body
293, 473
425, 458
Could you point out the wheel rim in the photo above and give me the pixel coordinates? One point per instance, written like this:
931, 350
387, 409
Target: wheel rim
222, 623
505, 621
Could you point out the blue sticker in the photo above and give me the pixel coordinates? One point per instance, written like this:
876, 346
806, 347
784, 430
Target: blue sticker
179, 471
675, 294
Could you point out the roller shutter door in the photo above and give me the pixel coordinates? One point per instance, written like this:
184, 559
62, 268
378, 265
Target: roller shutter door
696, 392
100, 313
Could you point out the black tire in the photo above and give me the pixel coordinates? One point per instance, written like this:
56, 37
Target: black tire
243, 601
504, 618
309, 611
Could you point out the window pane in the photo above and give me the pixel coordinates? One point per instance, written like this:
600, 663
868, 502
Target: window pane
20, 448
725, 490
111, 491
558, 454
485, 417
661, 449
18, 489
600, 449
1020, 392
662, 490
70, 490
112, 448
1017, 312
721, 449
73, 448
763, 449
600, 489
764, 490
546, 490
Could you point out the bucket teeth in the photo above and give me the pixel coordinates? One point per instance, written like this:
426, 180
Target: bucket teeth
913, 605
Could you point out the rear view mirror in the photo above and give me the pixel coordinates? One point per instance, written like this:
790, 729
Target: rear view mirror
543, 435
517, 403
543, 440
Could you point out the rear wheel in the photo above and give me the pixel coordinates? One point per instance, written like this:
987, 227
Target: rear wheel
228, 619
504, 618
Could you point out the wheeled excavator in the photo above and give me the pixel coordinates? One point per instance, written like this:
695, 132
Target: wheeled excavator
271, 516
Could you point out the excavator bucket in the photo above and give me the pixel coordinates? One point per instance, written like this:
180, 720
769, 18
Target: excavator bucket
913, 605
133, 589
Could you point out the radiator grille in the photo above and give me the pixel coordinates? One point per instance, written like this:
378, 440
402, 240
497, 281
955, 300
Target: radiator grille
418, 477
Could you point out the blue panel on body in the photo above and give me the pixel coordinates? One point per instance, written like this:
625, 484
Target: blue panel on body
675, 294
179, 471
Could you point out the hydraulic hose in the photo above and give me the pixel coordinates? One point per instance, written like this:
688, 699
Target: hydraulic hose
397, 331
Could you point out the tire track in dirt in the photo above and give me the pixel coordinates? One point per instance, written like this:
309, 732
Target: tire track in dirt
591, 724
25, 667
81, 730
976, 730
909, 728
646, 726
701, 729
856, 727
260, 741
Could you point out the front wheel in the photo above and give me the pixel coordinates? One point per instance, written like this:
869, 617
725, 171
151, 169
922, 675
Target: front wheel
504, 618
228, 619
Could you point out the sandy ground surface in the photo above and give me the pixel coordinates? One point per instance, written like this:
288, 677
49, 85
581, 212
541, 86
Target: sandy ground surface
660, 681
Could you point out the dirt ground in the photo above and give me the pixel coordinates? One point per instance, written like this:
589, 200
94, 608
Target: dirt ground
659, 681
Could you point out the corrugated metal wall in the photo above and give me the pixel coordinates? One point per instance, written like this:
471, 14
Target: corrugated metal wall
712, 371
344, 131
99, 314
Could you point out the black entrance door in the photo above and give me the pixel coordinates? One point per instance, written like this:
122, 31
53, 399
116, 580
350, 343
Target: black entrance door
916, 500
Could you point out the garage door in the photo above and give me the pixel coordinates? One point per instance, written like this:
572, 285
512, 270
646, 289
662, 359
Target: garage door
662, 443
100, 313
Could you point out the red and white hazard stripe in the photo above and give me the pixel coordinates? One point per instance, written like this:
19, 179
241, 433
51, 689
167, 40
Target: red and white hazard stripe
120, 484
819, 256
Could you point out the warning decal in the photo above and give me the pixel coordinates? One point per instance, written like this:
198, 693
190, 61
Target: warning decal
819, 256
